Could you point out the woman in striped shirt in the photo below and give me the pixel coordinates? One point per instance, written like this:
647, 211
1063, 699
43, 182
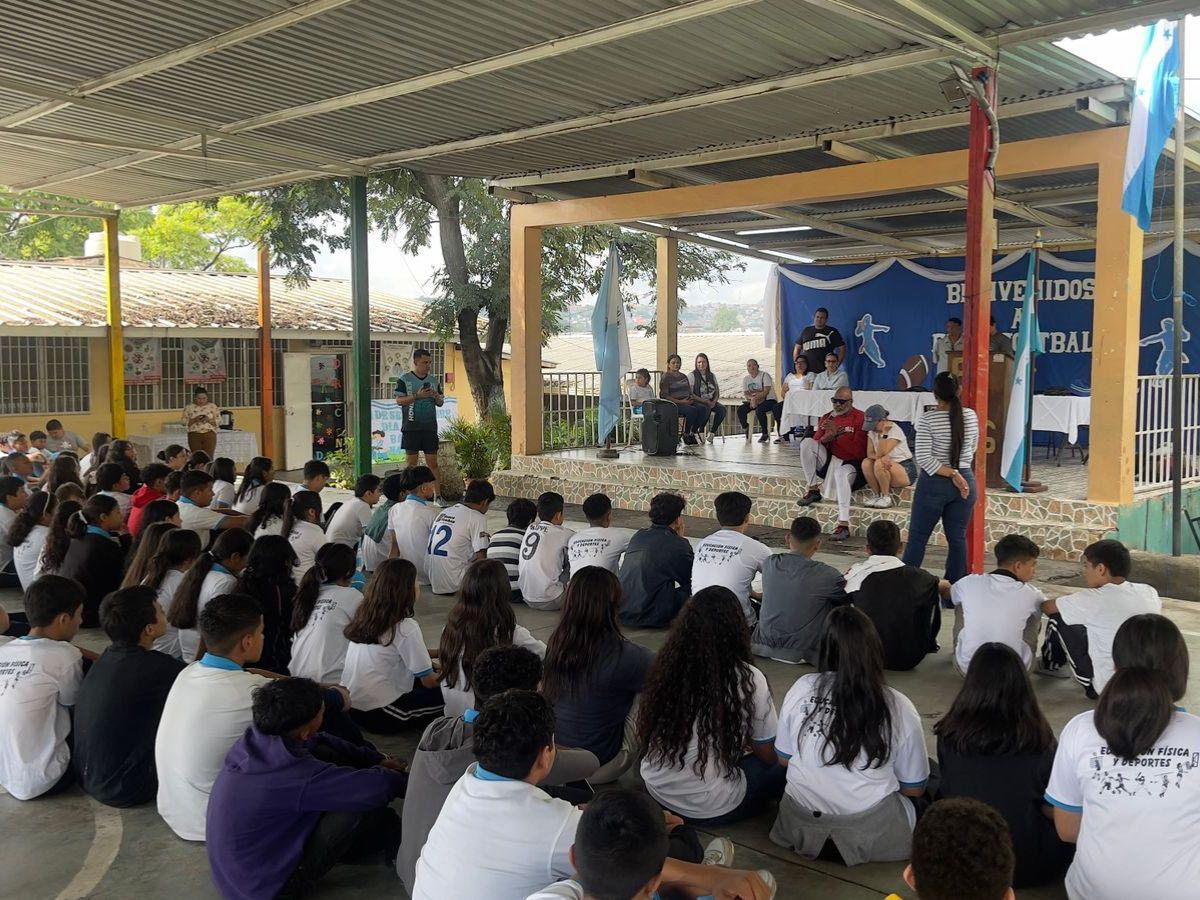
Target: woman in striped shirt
947, 438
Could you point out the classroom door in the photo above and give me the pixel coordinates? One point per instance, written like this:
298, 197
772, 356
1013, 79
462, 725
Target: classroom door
297, 389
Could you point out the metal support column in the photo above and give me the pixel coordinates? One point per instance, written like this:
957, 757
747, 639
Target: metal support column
1177, 311
112, 315
666, 319
360, 304
266, 358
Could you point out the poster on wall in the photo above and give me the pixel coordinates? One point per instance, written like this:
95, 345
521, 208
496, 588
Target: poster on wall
143, 362
395, 359
203, 361
386, 421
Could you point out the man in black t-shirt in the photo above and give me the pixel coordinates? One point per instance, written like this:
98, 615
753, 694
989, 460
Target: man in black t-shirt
817, 339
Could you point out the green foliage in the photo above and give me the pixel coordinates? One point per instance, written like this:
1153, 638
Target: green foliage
28, 236
474, 447
199, 236
500, 436
341, 463
726, 319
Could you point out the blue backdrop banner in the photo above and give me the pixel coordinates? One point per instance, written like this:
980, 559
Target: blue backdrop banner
892, 310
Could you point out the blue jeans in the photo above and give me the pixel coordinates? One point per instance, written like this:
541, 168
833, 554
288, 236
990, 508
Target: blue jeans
764, 784
938, 499
717, 417
695, 415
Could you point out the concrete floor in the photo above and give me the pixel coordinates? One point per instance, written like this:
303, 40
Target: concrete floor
70, 847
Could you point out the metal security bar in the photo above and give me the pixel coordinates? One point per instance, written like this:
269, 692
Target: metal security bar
44, 375
385, 390
1154, 455
240, 388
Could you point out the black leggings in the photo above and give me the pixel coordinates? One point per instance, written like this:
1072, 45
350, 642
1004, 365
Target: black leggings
418, 705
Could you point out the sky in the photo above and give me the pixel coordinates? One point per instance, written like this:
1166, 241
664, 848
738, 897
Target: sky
413, 276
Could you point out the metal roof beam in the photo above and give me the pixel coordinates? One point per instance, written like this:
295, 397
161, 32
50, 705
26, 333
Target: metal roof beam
967, 48
1101, 113
739, 249
34, 135
982, 48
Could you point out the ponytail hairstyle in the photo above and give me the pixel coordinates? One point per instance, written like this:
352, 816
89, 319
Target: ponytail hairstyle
170, 452
97, 507
272, 503
221, 469
945, 388
269, 565
151, 541
185, 611
64, 470
302, 502
587, 632
40, 505
389, 599
856, 716
179, 547
58, 541
482, 618
1137, 704
334, 563
258, 472
197, 462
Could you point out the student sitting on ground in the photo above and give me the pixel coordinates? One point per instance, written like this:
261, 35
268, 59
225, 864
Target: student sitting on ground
96, 556
505, 545
1126, 780
259, 471
1000, 606
13, 498
26, 535
173, 486
594, 675
729, 557
59, 439
446, 750
40, 676
113, 481
901, 601
855, 752
543, 570
273, 502
798, 593
388, 670
1082, 625
960, 849
703, 706
215, 572
224, 475
620, 852
302, 528
156, 511
656, 571
267, 577
481, 618
378, 540
412, 519
458, 535
996, 746
195, 507
139, 558
178, 552
291, 801
323, 606
353, 516
121, 701
58, 542
313, 478
154, 487
599, 544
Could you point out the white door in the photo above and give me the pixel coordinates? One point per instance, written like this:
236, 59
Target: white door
297, 421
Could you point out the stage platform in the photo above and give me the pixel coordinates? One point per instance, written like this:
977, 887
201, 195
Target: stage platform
1060, 520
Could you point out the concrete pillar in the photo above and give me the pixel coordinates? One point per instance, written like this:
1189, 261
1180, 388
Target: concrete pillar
266, 358
667, 314
112, 315
525, 290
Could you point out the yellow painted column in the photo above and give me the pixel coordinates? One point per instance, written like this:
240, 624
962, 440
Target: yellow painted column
525, 290
1115, 332
666, 321
112, 314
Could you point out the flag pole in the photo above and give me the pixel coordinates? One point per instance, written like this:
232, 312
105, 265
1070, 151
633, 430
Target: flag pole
1177, 312
1037, 296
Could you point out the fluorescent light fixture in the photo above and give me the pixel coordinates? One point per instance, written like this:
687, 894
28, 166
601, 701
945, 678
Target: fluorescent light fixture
653, 224
721, 240
779, 230
792, 256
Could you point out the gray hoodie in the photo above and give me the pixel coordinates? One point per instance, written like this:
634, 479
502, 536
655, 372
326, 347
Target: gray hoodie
798, 594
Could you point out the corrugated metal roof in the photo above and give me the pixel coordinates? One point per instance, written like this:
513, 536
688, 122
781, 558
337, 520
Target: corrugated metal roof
50, 295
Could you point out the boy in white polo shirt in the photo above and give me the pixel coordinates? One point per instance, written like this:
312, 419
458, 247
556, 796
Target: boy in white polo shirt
458, 536
599, 544
411, 519
999, 606
195, 507
353, 516
543, 571
729, 558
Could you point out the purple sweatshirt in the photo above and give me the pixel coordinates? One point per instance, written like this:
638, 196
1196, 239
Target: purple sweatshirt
268, 798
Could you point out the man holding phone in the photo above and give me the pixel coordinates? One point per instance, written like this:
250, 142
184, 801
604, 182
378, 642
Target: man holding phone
834, 455
417, 392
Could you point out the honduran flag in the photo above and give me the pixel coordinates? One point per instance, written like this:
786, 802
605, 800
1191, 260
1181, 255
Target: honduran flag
1151, 118
1029, 342
610, 341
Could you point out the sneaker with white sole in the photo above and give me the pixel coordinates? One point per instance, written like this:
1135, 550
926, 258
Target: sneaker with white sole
719, 852
769, 880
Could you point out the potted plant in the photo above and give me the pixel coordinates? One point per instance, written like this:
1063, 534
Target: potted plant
474, 448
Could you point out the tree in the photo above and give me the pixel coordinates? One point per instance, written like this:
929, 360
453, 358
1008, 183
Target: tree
726, 318
47, 236
473, 234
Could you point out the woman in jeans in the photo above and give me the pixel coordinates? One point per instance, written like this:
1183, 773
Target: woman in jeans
704, 386
677, 387
947, 438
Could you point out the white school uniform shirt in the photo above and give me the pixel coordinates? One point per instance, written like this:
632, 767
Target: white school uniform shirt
200, 519
273, 525
169, 642
124, 501
249, 503
834, 789
306, 539
39, 679
223, 494
995, 607
560, 890
713, 793
27, 557
542, 570
898, 453
349, 522
495, 839
597, 547
207, 710
1137, 837
7, 517
729, 559
1102, 611
378, 674
457, 534
319, 648
459, 699
218, 581
410, 521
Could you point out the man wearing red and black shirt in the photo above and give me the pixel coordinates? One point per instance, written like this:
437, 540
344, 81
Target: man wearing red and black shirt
832, 458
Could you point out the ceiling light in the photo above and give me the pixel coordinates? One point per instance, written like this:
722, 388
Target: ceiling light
792, 256
779, 230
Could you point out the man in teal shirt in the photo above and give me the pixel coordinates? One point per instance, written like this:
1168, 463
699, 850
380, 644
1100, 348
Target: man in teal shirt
417, 392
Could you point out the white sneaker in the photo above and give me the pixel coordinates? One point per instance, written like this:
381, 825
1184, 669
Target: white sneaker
719, 852
711, 437
769, 880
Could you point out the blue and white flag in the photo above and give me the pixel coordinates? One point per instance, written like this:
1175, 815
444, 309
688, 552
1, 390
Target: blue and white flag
1151, 118
610, 338
1029, 342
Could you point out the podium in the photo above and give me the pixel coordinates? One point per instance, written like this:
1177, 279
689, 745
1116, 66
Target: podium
999, 386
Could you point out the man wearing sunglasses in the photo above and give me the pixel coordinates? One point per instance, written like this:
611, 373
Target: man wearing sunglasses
832, 458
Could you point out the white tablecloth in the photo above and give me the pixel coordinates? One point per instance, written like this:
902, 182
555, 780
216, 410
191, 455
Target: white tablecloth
240, 446
1062, 414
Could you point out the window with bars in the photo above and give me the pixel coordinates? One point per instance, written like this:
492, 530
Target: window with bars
385, 390
240, 389
44, 375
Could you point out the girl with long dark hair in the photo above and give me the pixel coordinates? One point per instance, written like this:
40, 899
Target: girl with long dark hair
64, 470
482, 618
258, 471
124, 454
179, 550
224, 475
96, 556
1125, 786
704, 386
855, 752
157, 511
267, 577
302, 528
57, 540
703, 705
174, 457
995, 745
92, 459
197, 461
28, 536
593, 675
139, 559
273, 502
214, 572
389, 671
324, 604
947, 438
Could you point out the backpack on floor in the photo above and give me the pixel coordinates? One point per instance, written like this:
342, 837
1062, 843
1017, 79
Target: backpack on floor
660, 427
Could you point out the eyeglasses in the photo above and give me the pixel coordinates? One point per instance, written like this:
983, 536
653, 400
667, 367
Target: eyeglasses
840, 402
